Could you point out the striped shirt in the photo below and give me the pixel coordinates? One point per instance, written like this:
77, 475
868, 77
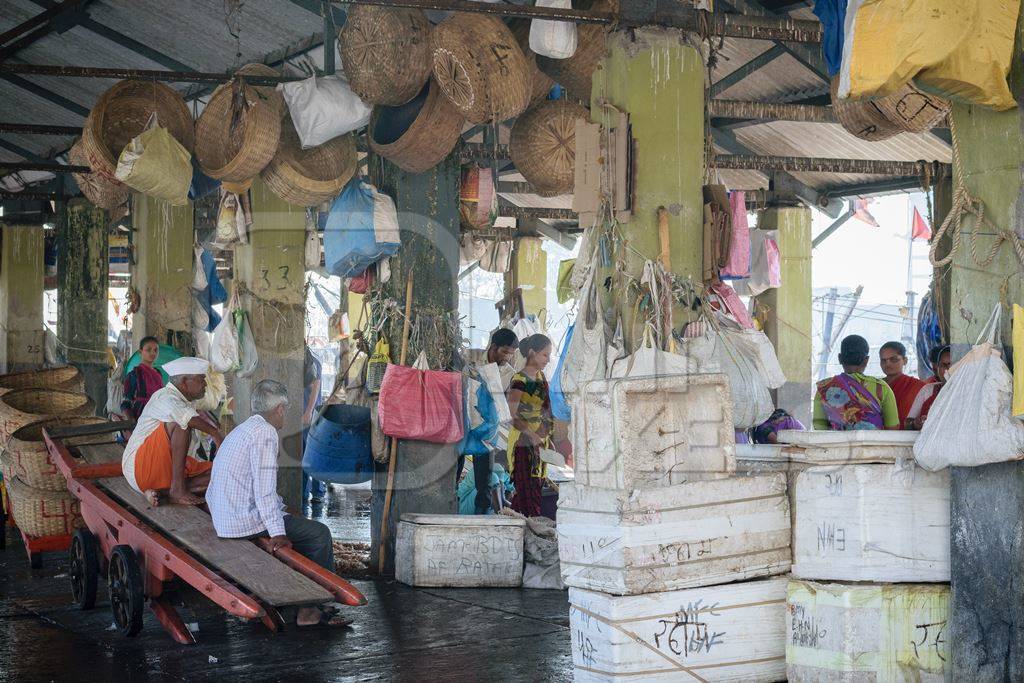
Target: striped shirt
242, 495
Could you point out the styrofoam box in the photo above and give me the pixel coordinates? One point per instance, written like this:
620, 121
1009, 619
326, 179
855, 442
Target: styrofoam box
734, 632
871, 523
846, 448
854, 633
673, 537
643, 431
461, 551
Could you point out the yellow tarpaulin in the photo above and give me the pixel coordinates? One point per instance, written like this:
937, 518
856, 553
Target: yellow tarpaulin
961, 48
1018, 361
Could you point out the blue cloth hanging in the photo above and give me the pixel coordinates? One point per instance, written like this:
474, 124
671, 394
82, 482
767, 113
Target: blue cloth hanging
832, 14
559, 406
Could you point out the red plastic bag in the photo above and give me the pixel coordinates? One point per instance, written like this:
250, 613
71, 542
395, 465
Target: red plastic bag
360, 284
421, 404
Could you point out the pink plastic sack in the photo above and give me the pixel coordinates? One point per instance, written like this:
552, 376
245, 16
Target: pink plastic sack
733, 304
774, 259
738, 264
422, 405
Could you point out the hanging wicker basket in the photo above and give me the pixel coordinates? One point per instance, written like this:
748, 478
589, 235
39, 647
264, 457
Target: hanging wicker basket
480, 67
385, 53
102, 192
270, 94
306, 177
123, 112
576, 73
908, 110
478, 198
237, 133
543, 145
26, 457
417, 135
66, 378
43, 513
24, 406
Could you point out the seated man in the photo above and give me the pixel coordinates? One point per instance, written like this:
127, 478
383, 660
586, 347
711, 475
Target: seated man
893, 358
243, 495
852, 400
159, 457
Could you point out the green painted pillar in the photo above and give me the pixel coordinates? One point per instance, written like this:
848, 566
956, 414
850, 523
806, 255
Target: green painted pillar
786, 311
987, 502
21, 297
530, 273
269, 274
162, 241
82, 288
428, 217
657, 79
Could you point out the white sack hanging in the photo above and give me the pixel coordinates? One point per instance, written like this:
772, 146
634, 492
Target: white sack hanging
554, 39
324, 108
312, 246
224, 346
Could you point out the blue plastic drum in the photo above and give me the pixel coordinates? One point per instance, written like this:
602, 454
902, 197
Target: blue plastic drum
338, 446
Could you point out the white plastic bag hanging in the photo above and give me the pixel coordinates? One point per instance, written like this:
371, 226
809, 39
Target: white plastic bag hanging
491, 375
248, 359
324, 108
312, 247
969, 424
554, 39
199, 282
650, 361
224, 345
587, 356
765, 261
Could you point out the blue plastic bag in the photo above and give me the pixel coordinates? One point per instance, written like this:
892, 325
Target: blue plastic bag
214, 292
473, 441
559, 406
202, 184
929, 334
832, 14
357, 217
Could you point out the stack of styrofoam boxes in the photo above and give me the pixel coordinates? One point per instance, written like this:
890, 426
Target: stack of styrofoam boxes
656, 528
870, 516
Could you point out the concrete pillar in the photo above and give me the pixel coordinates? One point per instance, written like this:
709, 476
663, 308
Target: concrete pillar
659, 81
530, 273
269, 273
787, 310
21, 297
987, 609
162, 271
82, 285
428, 214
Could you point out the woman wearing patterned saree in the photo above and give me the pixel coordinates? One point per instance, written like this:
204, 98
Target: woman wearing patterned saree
852, 400
530, 406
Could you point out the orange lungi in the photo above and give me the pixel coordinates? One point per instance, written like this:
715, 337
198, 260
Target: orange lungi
153, 462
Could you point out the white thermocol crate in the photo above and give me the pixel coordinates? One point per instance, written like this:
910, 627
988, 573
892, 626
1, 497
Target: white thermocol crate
886, 523
661, 539
734, 632
460, 551
854, 633
653, 431
848, 448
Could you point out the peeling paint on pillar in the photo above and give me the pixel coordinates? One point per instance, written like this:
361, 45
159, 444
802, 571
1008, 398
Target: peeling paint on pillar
21, 297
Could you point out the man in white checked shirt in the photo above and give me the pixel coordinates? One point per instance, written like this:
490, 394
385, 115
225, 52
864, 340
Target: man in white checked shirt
243, 498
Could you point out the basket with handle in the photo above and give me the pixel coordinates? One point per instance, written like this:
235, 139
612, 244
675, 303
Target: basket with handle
43, 513
24, 406
237, 133
25, 455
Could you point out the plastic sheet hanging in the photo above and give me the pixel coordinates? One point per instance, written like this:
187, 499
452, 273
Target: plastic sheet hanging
361, 229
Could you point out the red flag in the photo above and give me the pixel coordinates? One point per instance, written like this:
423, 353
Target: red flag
861, 213
920, 227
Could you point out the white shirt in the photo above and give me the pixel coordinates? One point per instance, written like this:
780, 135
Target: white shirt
242, 495
166, 405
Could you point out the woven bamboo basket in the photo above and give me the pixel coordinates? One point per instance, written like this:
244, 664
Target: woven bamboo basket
26, 457
576, 73
43, 513
65, 378
417, 135
237, 133
103, 192
541, 82
913, 110
123, 112
861, 119
385, 52
269, 93
543, 145
306, 177
480, 67
24, 406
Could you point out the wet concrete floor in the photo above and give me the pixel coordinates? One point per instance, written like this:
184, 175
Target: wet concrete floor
403, 633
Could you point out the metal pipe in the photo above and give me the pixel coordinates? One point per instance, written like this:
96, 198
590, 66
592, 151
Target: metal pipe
822, 165
475, 152
38, 129
49, 167
138, 74
26, 195
771, 111
522, 11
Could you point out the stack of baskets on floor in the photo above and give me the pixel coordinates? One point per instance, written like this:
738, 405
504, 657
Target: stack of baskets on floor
39, 500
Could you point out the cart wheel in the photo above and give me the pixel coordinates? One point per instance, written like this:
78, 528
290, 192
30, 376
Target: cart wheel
85, 569
124, 581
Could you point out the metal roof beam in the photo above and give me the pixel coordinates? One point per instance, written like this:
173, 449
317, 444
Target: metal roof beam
748, 69
57, 17
47, 166
22, 152
316, 7
823, 165
49, 95
887, 186
38, 129
836, 224
808, 55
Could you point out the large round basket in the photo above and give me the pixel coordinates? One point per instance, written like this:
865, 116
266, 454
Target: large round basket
66, 378
24, 406
103, 192
123, 112
306, 177
541, 82
480, 67
861, 118
543, 145
913, 110
26, 457
417, 135
576, 73
385, 52
237, 133
43, 513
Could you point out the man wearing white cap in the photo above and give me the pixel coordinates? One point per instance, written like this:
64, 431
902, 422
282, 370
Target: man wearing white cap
159, 458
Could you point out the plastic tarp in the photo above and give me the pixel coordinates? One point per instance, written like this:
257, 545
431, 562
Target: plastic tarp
421, 404
961, 49
361, 229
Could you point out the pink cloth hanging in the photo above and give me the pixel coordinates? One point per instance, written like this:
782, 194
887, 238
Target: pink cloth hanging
733, 304
738, 264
